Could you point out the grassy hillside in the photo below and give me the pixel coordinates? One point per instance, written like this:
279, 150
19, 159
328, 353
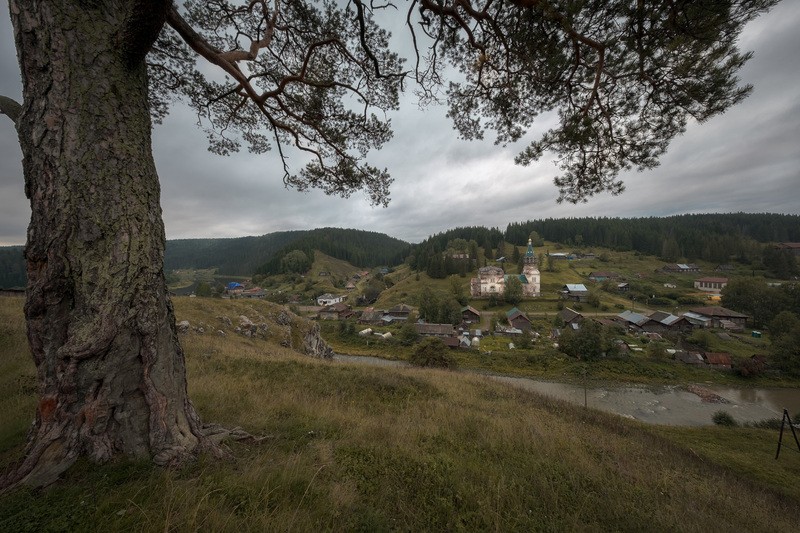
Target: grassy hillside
358, 448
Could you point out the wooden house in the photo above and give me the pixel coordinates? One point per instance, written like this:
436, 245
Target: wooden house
517, 319
470, 315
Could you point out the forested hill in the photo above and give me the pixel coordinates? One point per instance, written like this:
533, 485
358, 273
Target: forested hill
712, 237
245, 256
719, 238
12, 267
239, 256
359, 248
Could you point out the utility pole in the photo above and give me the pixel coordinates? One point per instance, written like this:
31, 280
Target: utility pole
585, 394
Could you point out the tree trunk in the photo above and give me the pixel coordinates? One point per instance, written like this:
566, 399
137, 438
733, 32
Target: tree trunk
101, 327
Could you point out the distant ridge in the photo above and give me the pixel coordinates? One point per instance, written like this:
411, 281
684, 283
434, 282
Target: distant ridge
244, 256
238, 256
360, 248
713, 237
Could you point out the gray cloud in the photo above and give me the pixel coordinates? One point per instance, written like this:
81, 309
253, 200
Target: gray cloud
745, 160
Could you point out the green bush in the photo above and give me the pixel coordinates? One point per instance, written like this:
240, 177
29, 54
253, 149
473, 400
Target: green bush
701, 338
433, 353
767, 423
723, 418
408, 334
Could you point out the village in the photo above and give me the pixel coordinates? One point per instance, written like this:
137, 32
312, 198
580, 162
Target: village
692, 329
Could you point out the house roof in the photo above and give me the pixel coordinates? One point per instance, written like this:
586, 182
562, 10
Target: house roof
717, 312
713, 280
568, 315
606, 321
603, 275
664, 318
255, 291
521, 277
471, 310
682, 267
515, 313
718, 358
335, 308
326, 296
371, 314
696, 317
633, 318
451, 342
690, 358
576, 287
401, 308
658, 316
435, 329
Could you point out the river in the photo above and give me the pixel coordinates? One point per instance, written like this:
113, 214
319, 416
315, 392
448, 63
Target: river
676, 405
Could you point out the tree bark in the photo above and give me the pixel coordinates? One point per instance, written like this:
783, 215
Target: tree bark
101, 327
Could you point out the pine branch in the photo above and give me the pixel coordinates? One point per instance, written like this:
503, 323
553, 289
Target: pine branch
10, 107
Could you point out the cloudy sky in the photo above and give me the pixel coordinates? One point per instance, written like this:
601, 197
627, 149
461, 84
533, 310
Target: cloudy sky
745, 160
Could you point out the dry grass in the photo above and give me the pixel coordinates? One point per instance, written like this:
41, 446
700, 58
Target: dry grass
357, 448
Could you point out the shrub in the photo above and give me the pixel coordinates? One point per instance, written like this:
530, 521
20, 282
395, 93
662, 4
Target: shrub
749, 367
408, 334
701, 338
346, 329
767, 423
433, 353
723, 418
593, 300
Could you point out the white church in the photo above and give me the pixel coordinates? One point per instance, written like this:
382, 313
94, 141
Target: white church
492, 279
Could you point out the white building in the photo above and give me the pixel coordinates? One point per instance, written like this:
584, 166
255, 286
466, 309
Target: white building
329, 299
532, 285
492, 279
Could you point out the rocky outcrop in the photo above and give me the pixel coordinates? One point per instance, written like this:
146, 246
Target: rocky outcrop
314, 346
280, 326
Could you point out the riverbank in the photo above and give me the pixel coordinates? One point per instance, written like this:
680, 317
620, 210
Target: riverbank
545, 362
689, 404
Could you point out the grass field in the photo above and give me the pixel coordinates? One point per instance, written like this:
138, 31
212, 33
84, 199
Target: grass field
357, 448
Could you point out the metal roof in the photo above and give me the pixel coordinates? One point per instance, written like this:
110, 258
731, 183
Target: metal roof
635, 318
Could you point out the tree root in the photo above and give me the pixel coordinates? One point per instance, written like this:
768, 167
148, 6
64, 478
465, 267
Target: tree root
216, 433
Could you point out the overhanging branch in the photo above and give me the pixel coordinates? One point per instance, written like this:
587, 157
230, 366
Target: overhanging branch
10, 108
